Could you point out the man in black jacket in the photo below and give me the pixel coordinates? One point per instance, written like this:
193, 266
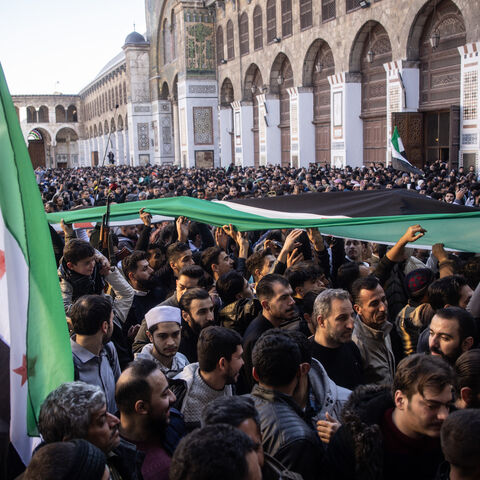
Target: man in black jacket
285, 434
394, 435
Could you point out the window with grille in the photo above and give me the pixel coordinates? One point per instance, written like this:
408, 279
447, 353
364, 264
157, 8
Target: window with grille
271, 20
230, 42
328, 10
286, 18
305, 14
352, 5
257, 28
243, 27
219, 44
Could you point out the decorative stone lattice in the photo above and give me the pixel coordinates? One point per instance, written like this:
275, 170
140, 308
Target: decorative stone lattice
143, 138
202, 125
470, 95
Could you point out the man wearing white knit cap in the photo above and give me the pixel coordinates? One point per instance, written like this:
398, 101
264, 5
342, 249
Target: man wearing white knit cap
164, 326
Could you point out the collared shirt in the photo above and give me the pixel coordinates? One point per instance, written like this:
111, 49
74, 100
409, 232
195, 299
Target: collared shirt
102, 370
179, 361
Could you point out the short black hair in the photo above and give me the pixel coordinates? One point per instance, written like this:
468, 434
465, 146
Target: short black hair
276, 358
127, 393
214, 343
256, 261
347, 274
465, 321
89, 312
76, 250
303, 344
129, 264
364, 283
175, 250
265, 285
231, 410
308, 302
192, 271
445, 291
467, 370
209, 257
190, 295
215, 451
302, 272
229, 285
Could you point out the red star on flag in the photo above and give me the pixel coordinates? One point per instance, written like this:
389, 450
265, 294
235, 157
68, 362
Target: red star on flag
22, 371
2, 263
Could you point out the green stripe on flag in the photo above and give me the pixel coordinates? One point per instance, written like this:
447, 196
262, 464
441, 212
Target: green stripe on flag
48, 349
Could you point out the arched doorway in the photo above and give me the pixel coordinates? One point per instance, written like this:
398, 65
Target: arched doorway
66, 150
38, 147
318, 66
281, 79
227, 96
440, 70
253, 87
376, 51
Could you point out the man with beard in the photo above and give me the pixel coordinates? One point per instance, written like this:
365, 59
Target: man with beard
452, 332
394, 432
146, 419
371, 332
128, 237
147, 293
219, 363
164, 332
278, 307
95, 358
332, 343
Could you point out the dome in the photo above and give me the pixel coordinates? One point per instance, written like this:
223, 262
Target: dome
135, 38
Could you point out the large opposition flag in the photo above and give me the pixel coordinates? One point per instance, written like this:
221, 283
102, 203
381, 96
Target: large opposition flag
399, 157
33, 328
378, 216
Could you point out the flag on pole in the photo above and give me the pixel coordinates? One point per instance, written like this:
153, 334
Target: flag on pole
399, 157
32, 320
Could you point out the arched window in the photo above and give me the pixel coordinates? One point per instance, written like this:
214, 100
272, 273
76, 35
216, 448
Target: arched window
328, 10
173, 28
305, 14
230, 41
167, 46
60, 114
219, 45
31, 115
43, 114
243, 27
271, 20
286, 18
257, 28
72, 114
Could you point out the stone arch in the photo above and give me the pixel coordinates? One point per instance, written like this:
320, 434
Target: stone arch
39, 142
164, 92
227, 95
280, 62
318, 66
72, 114
66, 148
60, 114
120, 123
31, 115
43, 114
253, 78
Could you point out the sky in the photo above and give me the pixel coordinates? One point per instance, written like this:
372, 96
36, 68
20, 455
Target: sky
66, 41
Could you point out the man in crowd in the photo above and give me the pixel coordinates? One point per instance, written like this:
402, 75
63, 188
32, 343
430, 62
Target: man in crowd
260, 264
332, 343
452, 332
372, 331
394, 432
216, 262
128, 237
146, 419
95, 359
285, 434
164, 332
467, 369
278, 307
219, 363
78, 410
214, 452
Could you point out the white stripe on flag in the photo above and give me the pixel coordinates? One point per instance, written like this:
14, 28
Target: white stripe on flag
15, 288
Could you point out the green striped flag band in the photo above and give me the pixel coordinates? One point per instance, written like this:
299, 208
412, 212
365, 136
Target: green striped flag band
34, 341
379, 216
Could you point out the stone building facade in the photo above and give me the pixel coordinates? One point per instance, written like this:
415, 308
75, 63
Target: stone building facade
285, 82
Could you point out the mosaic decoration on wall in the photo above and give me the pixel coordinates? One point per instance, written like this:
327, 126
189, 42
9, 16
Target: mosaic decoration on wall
199, 42
143, 139
202, 125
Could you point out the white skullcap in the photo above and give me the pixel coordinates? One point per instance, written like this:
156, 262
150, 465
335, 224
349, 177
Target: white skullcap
162, 314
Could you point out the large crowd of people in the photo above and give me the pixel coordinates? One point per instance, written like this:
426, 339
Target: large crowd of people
205, 353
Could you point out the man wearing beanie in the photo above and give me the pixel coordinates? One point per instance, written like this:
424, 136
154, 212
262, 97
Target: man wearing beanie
164, 330
416, 315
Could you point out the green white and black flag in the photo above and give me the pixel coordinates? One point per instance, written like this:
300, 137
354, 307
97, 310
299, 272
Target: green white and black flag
399, 157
